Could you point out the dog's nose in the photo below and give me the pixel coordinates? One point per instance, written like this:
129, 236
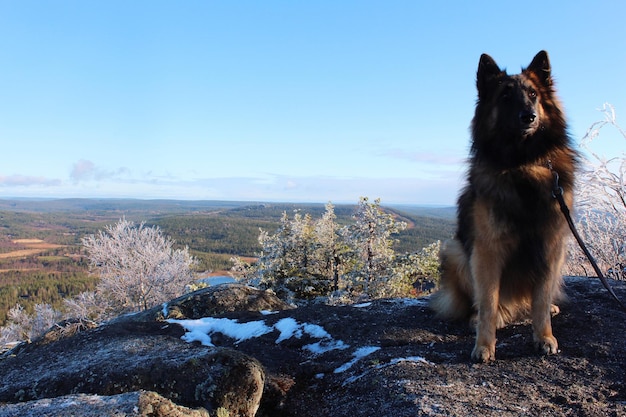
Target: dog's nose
527, 117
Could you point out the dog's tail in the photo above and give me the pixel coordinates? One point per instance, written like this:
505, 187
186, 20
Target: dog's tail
453, 300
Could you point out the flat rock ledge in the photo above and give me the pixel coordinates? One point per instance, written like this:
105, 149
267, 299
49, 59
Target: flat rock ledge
261, 357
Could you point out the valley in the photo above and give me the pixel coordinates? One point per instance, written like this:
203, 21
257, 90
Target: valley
42, 259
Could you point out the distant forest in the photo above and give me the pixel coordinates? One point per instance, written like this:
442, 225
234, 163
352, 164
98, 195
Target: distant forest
42, 260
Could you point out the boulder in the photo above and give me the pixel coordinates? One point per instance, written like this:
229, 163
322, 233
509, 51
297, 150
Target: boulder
131, 404
129, 356
212, 301
142, 352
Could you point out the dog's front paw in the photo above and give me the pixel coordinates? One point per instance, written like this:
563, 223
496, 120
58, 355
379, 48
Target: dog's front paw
484, 353
547, 345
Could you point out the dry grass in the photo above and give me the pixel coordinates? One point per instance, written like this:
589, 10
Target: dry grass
33, 247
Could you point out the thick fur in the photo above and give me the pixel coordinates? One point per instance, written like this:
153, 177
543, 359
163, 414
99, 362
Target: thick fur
505, 260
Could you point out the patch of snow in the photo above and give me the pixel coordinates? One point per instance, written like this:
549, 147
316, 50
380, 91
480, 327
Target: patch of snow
359, 354
200, 330
418, 359
324, 346
268, 312
197, 336
288, 328
351, 379
316, 331
362, 305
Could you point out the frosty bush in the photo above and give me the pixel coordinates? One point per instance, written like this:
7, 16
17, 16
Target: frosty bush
601, 204
306, 258
417, 273
87, 305
138, 267
294, 260
370, 239
23, 326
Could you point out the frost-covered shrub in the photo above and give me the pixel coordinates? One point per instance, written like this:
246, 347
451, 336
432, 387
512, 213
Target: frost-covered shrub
137, 265
417, 274
305, 258
23, 326
371, 244
601, 202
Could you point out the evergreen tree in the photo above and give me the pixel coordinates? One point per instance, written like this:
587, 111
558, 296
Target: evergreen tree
417, 273
287, 257
370, 239
331, 247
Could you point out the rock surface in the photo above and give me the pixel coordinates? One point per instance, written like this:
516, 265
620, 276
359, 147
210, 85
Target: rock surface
384, 358
132, 404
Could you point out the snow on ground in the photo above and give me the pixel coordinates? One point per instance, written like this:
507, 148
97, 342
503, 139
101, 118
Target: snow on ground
362, 305
325, 345
200, 330
359, 354
417, 359
288, 328
268, 312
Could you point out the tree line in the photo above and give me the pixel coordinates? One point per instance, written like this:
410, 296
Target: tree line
30, 288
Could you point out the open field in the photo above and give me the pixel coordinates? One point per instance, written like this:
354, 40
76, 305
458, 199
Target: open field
33, 247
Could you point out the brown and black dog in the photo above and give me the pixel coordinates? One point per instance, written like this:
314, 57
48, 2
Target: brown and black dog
505, 260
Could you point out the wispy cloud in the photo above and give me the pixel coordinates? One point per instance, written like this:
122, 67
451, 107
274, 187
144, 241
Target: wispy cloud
27, 181
438, 189
82, 170
85, 170
435, 186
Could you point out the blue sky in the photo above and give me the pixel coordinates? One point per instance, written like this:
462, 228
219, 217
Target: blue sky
277, 100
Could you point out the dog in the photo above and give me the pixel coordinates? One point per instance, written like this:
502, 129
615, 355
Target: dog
504, 262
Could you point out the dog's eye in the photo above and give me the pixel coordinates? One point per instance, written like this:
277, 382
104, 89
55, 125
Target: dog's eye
532, 93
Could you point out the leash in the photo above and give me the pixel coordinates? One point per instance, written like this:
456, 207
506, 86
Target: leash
557, 192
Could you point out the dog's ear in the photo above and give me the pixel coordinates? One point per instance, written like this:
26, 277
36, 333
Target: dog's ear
540, 66
488, 71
